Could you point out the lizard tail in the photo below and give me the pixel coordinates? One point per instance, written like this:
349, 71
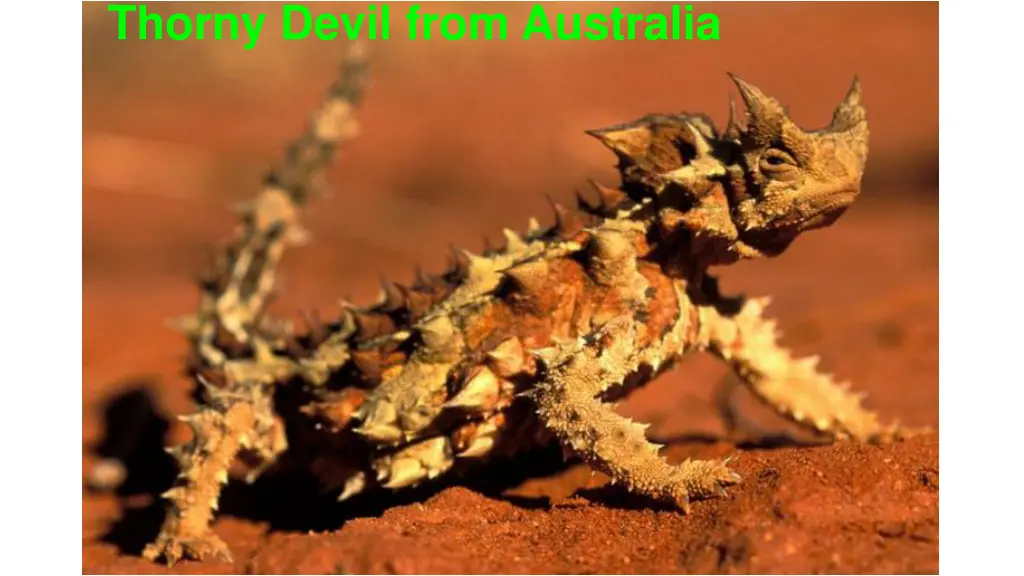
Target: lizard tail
234, 298
231, 338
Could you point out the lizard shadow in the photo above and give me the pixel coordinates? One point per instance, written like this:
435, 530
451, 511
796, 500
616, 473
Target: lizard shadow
618, 497
287, 499
134, 432
290, 499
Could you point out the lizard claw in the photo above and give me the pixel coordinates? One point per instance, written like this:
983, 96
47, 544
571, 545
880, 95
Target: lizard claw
727, 459
897, 433
172, 549
707, 478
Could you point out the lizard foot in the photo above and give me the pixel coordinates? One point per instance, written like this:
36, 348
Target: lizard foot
173, 548
703, 479
895, 432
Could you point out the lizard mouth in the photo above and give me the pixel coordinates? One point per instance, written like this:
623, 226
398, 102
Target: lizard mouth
773, 241
824, 213
824, 218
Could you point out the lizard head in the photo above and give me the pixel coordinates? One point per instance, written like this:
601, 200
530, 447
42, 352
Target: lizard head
745, 192
794, 180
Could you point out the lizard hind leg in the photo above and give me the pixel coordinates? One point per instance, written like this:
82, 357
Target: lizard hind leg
794, 387
219, 432
568, 405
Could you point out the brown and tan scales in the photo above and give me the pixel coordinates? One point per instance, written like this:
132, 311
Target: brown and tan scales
524, 345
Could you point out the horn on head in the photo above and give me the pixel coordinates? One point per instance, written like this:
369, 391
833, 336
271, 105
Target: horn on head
759, 105
765, 114
731, 132
849, 112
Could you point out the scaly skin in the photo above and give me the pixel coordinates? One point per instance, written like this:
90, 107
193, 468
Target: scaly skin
527, 344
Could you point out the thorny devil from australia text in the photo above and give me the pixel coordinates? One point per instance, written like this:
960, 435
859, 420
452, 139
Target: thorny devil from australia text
524, 345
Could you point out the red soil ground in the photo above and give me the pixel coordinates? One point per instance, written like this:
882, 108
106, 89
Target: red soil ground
459, 140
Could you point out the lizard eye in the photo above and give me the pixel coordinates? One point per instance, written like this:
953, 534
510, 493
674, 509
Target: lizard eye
775, 160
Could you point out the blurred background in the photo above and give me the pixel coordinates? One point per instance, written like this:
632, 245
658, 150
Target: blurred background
461, 138
458, 135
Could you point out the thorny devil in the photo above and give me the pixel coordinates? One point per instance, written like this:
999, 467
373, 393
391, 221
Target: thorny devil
524, 345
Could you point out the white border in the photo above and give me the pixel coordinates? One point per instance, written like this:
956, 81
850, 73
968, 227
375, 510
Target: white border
980, 318
40, 254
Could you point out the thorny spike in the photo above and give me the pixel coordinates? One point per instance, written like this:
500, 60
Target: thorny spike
584, 205
417, 303
529, 277
610, 246
391, 298
854, 93
191, 419
347, 320
700, 142
354, 485
478, 267
315, 327
731, 131
480, 391
508, 358
337, 412
382, 433
850, 111
533, 227
210, 377
437, 331
370, 324
611, 198
459, 262
430, 284
420, 278
482, 437
567, 222
213, 392
546, 355
368, 362
173, 493
179, 453
619, 139
763, 111
480, 446
513, 242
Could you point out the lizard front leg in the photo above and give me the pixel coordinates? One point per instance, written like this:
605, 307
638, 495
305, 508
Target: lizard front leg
232, 420
793, 387
568, 405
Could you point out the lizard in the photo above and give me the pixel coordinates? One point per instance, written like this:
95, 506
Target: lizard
523, 345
